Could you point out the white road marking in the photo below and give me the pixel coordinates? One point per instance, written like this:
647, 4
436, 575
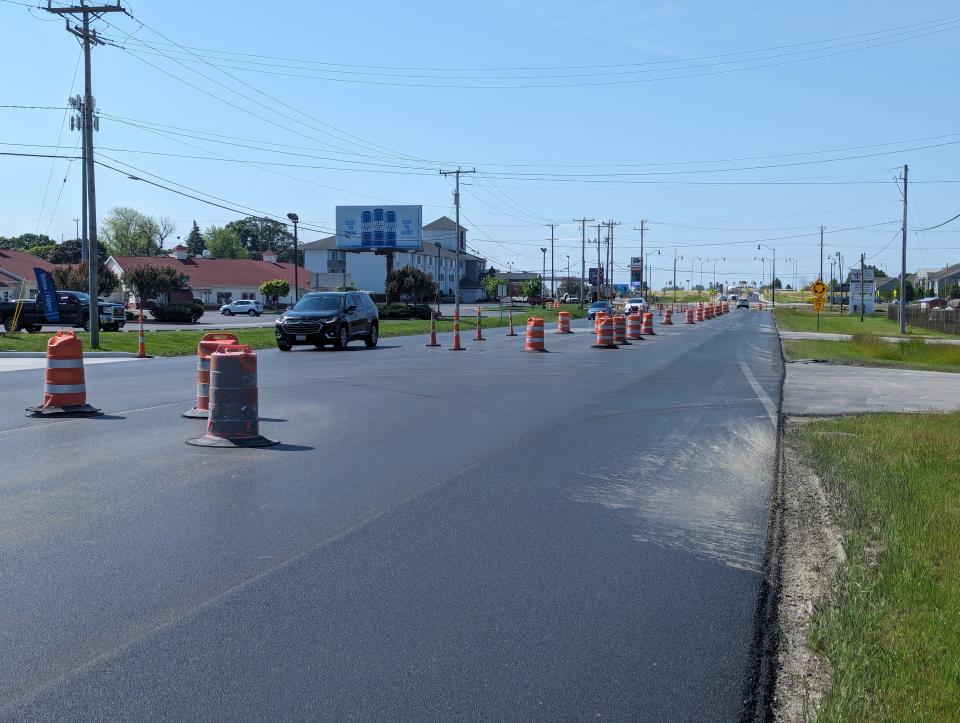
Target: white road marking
760, 392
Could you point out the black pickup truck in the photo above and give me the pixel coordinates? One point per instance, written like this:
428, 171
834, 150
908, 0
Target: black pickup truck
74, 311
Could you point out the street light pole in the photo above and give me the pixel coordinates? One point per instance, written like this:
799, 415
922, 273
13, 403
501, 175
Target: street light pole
296, 258
675, 275
773, 273
543, 275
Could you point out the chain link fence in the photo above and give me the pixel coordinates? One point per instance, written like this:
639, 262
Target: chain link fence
944, 320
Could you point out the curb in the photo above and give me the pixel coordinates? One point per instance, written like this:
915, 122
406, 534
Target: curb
86, 354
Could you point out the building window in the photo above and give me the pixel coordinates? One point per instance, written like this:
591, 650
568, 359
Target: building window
248, 295
224, 297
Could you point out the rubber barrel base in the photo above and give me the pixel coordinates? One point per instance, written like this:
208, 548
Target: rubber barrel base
604, 346
81, 410
197, 414
211, 441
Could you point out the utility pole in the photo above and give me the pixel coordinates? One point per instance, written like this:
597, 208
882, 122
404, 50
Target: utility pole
903, 257
675, 275
77, 122
552, 274
89, 38
599, 265
456, 264
861, 288
821, 274
610, 224
642, 257
583, 253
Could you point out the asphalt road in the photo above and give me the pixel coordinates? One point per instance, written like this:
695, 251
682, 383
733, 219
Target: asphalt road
488, 534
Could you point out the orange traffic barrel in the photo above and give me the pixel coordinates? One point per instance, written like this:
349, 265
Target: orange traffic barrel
634, 326
64, 386
479, 335
234, 408
688, 316
534, 340
668, 318
433, 330
563, 323
605, 334
700, 312
456, 330
207, 346
619, 330
647, 329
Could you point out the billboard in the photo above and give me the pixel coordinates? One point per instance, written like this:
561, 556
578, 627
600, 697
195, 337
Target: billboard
592, 276
379, 227
862, 284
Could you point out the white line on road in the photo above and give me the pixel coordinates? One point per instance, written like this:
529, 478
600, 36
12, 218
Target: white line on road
761, 394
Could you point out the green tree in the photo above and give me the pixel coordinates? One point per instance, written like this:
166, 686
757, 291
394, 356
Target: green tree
274, 289
75, 278
569, 285
128, 232
147, 282
223, 243
531, 287
258, 234
25, 241
195, 242
42, 251
69, 252
492, 283
410, 284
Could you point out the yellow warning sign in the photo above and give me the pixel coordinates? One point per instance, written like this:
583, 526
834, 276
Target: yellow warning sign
818, 287
818, 303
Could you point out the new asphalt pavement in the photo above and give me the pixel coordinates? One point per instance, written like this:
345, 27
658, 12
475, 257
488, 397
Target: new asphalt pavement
485, 534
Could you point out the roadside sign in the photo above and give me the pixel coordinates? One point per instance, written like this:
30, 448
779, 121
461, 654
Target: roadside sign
818, 303
818, 287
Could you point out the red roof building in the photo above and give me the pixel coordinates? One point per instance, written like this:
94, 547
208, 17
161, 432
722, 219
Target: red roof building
16, 267
217, 281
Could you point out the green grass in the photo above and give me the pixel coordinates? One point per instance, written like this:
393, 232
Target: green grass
177, 343
791, 319
867, 350
891, 631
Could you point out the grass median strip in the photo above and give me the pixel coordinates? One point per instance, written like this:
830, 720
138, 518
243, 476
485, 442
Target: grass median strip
791, 319
891, 630
178, 343
868, 350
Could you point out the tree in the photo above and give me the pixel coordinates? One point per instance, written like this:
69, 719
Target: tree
491, 285
165, 228
75, 278
777, 284
410, 283
531, 287
259, 234
223, 243
127, 232
569, 285
195, 243
69, 252
42, 251
24, 241
148, 282
274, 289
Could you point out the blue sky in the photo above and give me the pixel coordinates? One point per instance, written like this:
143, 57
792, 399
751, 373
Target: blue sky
369, 99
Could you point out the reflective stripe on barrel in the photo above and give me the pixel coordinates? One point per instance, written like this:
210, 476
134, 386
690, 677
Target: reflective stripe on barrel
647, 323
619, 330
634, 324
563, 323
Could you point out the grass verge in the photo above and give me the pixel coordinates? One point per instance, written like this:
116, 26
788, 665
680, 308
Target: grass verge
177, 343
868, 350
792, 319
891, 631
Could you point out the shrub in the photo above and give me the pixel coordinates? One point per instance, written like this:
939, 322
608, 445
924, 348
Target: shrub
183, 313
404, 311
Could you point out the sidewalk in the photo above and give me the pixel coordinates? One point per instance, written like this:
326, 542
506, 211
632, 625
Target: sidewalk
848, 337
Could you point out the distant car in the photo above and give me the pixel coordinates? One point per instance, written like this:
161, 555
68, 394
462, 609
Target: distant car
242, 306
742, 303
570, 298
634, 305
597, 307
329, 317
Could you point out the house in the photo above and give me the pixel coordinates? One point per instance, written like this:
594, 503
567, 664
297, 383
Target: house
17, 279
365, 270
943, 281
217, 281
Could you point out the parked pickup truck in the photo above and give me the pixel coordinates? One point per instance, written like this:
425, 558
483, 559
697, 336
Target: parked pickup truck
74, 311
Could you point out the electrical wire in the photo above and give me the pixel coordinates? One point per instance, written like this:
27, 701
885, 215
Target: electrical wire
930, 228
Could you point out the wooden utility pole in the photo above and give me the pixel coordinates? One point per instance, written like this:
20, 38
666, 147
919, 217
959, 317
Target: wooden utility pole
583, 253
642, 257
903, 257
456, 264
552, 274
89, 38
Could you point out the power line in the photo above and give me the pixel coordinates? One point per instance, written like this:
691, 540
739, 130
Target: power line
930, 228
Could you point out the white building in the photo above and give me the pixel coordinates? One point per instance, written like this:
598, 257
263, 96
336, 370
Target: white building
368, 271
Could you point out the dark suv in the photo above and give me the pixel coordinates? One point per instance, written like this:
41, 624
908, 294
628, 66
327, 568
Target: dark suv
329, 317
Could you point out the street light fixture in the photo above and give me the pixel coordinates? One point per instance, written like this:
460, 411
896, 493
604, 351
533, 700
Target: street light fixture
773, 272
296, 258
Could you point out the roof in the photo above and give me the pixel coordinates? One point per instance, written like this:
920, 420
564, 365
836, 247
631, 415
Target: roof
21, 263
946, 272
330, 242
205, 273
442, 224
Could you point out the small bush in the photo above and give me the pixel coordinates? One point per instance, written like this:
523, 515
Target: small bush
183, 313
404, 311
